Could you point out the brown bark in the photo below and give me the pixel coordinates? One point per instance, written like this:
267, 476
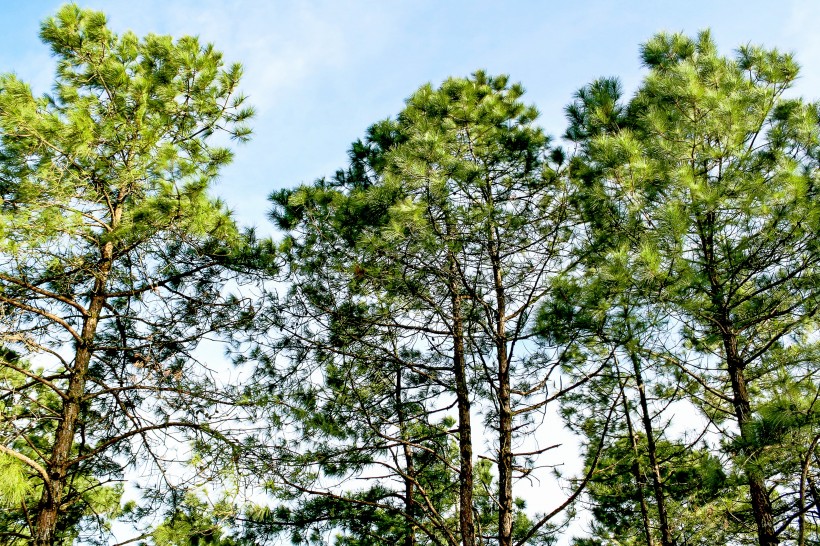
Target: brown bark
759, 495
652, 452
640, 481
410, 472
505, 455
741, 402
465, 434
59, 463
505, 413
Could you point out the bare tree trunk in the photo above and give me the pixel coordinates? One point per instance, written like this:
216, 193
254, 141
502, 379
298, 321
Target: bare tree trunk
465, 431
505, 413
761, 503
505, 455
410, 471
58, 464
465, 434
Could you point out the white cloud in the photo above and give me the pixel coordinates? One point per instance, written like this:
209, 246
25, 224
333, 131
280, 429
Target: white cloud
283, 46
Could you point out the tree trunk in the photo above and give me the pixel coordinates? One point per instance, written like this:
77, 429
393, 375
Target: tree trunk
58, 464
465, 434
640, 483
49, 509
652, 452
465, 431
410, 472
761, 504
505, 456
505, 414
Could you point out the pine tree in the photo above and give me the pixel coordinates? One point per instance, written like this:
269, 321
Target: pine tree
710, 188
430, 253
111, 254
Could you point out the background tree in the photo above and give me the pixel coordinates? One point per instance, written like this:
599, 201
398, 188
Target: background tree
484, 215
110, 260
608, 313
430, 253
196, 521
712, 183
382, 366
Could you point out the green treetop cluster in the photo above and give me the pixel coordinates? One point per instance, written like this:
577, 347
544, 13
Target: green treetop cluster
426, 323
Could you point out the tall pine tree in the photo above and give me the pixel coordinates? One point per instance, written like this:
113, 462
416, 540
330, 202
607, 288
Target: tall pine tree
110, 257
709, 185
430, 254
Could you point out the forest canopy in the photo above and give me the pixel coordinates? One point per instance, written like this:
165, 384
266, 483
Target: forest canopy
471, 333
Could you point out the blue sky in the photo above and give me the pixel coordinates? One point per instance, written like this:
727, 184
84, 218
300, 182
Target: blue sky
321, 72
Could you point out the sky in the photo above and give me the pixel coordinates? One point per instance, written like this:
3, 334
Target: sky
320, 72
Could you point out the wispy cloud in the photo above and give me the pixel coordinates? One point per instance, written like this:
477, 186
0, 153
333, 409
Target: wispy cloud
284, 46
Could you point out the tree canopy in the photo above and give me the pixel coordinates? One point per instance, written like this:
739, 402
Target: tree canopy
427, 322
111, 267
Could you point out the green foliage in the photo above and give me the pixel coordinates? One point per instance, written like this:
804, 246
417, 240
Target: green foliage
694, 481
92, 499
457, 265
703, 187
14, 485
195, 522
128, 116
111, 264
444, 216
